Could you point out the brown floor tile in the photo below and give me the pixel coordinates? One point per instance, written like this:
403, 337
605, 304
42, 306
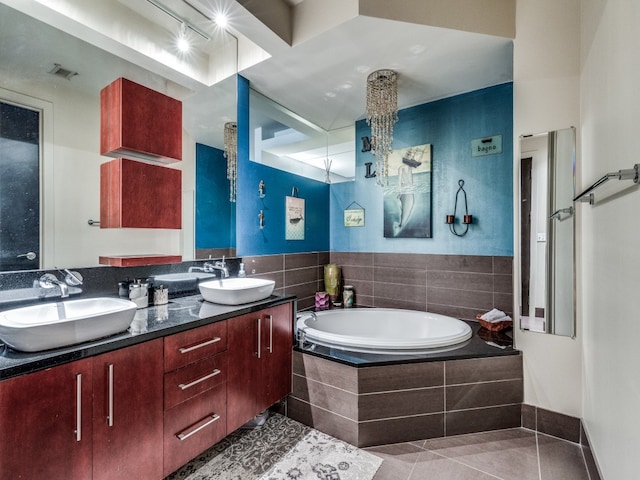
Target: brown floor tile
399, 460
508, 454
433, 466
560, 459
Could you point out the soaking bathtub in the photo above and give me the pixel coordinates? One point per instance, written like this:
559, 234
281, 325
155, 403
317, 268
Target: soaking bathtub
382, 330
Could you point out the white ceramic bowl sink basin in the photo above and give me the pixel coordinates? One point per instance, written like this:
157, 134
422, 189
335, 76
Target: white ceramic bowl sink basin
236, 291
58, 324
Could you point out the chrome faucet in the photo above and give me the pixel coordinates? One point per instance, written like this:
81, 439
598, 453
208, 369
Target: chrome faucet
221, 266
208, 267
49, 280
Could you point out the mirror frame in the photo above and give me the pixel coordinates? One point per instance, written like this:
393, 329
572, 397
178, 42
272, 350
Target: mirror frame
559, 191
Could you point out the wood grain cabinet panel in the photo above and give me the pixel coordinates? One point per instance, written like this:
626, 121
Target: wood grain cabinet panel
128, 412
138, 122
260, 346
46, 424
140, 195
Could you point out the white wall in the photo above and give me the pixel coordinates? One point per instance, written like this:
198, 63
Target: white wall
610, 111
546, 97
72, 171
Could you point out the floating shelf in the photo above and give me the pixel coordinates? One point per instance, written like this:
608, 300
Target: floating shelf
138, 260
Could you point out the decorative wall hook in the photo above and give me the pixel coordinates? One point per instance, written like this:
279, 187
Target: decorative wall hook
261, 189
466, 219
261, 218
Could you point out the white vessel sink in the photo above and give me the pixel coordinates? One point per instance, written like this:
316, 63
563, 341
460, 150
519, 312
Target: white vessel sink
182, 276
236, 291
58, 324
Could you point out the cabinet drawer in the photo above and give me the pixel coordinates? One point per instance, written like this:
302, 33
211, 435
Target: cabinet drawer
193, 426
195, 378
187, 347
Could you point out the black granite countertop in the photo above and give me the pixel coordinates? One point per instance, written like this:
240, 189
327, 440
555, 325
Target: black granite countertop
482, 343
178, 315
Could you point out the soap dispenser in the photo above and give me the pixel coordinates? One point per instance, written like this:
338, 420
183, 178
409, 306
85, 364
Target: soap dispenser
241, 272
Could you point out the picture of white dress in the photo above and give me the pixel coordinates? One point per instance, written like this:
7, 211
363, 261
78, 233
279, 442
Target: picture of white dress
407, 197
294, 222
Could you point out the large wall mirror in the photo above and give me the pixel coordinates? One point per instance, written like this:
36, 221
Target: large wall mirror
547, 227
284, 140
57, 75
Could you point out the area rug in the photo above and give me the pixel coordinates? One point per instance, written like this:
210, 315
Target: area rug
280, 449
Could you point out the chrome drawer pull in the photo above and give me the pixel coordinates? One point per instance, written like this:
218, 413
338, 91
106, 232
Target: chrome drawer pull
270, 347
110, 414
78, 431
258, 353
184, 386
200, 345
184, 436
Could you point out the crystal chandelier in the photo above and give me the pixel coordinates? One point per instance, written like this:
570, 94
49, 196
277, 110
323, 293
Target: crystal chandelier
231, 154
382, 113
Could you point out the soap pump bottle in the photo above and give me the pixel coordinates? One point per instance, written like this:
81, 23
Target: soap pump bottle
241, 272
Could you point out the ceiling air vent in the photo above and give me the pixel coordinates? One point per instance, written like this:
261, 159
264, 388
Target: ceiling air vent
59, 71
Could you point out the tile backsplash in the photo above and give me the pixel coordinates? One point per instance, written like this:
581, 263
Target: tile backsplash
457, 285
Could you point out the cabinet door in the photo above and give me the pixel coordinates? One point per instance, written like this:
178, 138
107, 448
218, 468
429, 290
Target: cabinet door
275, 368
46, 424
243, 365
128, 393
138, 122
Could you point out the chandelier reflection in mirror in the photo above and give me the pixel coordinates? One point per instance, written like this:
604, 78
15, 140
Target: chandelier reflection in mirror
382, 113
231, 154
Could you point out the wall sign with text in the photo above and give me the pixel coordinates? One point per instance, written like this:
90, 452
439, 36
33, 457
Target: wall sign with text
486, 146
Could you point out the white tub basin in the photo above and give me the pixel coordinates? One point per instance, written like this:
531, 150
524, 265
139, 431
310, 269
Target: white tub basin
236, 291
58, 324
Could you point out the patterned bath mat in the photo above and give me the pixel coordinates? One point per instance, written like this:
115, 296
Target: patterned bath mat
281, 449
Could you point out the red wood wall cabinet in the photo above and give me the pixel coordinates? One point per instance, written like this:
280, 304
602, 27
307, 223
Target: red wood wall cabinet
139, 195
138, 122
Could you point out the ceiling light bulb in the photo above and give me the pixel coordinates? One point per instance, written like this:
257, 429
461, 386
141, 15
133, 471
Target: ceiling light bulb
221, 20
183, 41
183, 44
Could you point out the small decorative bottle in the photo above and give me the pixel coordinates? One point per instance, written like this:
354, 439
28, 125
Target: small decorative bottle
347, 296
332, 277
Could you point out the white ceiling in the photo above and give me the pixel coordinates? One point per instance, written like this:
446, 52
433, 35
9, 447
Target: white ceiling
322, 79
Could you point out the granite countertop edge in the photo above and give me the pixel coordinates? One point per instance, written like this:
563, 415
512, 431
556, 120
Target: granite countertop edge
150, 323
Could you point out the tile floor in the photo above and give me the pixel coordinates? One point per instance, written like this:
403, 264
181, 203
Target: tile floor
514, 454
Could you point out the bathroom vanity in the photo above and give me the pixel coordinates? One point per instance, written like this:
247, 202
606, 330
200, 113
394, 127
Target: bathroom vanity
140, 405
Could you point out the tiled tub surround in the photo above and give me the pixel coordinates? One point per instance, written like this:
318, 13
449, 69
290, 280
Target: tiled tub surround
403, 402
456, 285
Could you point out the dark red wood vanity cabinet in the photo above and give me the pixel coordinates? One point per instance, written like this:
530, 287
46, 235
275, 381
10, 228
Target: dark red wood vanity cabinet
46, 426
127, 412
97, 418
195, 392
138, 122
140, 195
260, 346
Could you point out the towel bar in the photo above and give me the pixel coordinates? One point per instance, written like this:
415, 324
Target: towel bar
627, 174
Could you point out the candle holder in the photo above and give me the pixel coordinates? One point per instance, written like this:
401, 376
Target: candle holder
466, 218
322, 301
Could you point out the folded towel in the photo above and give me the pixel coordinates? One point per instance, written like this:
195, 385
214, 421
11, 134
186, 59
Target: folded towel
506, 318
493, 314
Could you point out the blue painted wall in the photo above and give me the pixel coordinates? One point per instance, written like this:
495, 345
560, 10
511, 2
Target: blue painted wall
448, 125
250, 238
215, 215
